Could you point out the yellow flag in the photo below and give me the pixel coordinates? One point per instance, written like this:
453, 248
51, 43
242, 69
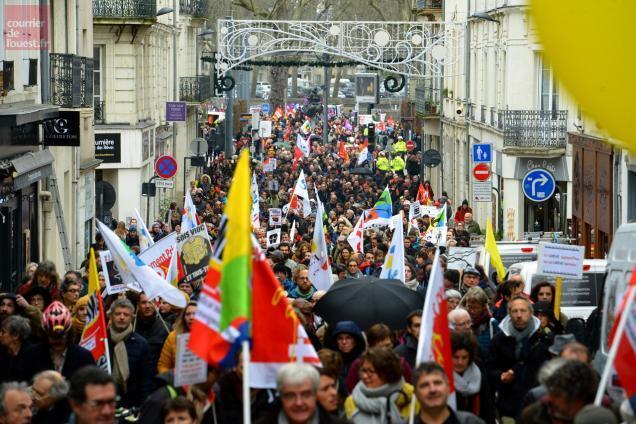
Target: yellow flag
491, 248
93, 278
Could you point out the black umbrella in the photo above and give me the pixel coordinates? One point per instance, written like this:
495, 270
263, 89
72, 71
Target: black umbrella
367, 301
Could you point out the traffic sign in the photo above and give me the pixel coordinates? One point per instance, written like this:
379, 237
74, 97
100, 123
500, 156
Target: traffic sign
265, 108
539, 185
482, 191
431, 158
481, 172
482, 152
166, 166
410, 145
164, 183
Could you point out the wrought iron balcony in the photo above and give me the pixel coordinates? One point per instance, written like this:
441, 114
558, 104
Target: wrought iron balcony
428, 4
125, 9
197, 8
533, 130
71, 80
195, 89
98, 111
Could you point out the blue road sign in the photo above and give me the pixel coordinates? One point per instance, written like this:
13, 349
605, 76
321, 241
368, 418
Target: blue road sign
538, 185
265, 108
166, 167
482, 152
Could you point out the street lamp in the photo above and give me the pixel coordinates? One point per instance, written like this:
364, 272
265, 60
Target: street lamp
484, 16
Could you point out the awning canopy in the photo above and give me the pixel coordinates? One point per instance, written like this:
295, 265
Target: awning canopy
32, 167
15, 114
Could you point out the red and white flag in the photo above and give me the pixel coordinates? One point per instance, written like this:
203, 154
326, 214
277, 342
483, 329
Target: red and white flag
277, 336
356, 238
434, 344
626, 352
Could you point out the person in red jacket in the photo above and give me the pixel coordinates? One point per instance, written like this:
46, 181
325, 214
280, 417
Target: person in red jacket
461, 211
44, 276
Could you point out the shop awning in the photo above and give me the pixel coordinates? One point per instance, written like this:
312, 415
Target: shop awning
15, 114
32, 167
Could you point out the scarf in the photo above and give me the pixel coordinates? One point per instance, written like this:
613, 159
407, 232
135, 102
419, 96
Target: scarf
371, 404
520, 335
120, 363
468, 383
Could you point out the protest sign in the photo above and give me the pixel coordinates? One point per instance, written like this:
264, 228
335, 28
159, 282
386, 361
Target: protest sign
114, 282
561, 260
416, 210
273, 238
194, 249
189, 368
275, 217
159, 254
460, 258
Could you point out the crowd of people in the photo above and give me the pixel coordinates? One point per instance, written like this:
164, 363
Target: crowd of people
512, 358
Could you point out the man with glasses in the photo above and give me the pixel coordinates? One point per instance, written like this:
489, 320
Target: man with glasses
15, 404
70, 292
48, 391
408, 349
93, 396
459, 320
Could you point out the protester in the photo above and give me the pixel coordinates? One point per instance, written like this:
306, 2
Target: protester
381, 395
432, 391
484, 326
15, 403
168, 356
49, 391
346, 338
150, 326
408, 348
14, 332
179, 411
44, 276
93, 396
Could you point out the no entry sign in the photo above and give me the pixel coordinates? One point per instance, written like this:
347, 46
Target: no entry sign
166, 166
481, 172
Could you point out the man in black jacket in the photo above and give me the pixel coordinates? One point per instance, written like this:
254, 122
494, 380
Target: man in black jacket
408, 349
516, 354
129, 355
151, 327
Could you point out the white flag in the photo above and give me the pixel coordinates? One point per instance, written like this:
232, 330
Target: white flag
189, 218
292, 233
319, 267
394, 261
363, 156
145, 240
303, 145
132, 269
356, 238
256, 210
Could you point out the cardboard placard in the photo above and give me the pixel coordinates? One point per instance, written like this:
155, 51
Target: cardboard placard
194, 249
275, 217
114, 282
561, 260
460, 258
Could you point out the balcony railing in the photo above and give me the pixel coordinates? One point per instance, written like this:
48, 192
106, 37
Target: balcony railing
98, 111
194, 89
428, 4
125, 9
427, 101
71, 80
534, 129
493, 113
194, 7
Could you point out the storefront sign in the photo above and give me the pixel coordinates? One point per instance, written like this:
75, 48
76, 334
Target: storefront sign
175, 111
26, 27
108, 147
63, 131
556, 166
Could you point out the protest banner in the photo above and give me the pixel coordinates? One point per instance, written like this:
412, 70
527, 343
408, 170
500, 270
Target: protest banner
275, 217
159, 254
273, 238
193, 247
189, 368
460, 258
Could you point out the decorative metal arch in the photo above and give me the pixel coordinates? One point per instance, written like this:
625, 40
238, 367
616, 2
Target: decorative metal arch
414, 49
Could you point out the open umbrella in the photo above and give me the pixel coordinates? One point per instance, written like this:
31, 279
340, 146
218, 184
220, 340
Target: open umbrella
367, 301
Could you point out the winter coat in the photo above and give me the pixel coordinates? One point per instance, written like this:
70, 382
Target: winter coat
502, 358
38, 358
168, 357
481, 404
408, 350
352, 328
459, 215
354, 373
457, 417
139, 383
155, 334
151, 407
323, 417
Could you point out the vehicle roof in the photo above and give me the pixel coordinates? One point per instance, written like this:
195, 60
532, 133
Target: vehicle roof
531, 266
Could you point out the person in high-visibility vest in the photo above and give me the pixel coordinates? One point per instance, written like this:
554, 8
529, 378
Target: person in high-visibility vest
399, 147
383, 163
397, 164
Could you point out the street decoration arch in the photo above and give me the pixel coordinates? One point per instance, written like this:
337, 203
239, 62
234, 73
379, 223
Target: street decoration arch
413, 49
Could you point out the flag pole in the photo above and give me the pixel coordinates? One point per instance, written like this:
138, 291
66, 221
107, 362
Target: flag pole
247, 415
614, 348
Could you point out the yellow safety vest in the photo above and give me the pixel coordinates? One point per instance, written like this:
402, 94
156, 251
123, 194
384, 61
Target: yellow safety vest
397, 164
383, 164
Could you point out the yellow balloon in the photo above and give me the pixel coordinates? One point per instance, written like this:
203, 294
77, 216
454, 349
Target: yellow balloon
590, 45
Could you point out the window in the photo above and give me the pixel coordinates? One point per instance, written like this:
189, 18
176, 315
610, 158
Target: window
548, 88
631, 196
97, 72
7, 75
33, 72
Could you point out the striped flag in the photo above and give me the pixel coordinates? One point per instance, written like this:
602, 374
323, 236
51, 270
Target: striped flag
222, 318
189, 220
319, 267
94, 337
380, 214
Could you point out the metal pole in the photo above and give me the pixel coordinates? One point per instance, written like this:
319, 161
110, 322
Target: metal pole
229, 121
175, 94
325, 109
184, 175
467, 111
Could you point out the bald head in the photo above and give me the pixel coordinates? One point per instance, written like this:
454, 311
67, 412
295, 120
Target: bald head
459, 320
468, 217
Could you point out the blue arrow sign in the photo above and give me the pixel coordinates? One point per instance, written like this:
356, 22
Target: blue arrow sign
482, 152
538, 185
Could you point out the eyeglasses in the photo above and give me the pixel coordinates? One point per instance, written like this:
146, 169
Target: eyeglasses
369, 371
100, 403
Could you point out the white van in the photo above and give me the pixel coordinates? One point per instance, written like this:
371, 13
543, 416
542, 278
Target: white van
579, 297
620, 263
511, 252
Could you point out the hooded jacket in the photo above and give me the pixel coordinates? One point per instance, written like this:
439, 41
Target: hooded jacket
348, 327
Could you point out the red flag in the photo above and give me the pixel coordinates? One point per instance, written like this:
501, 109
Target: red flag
342, 152
434, 343
423, 195
277, 336
626, 353
390, 121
